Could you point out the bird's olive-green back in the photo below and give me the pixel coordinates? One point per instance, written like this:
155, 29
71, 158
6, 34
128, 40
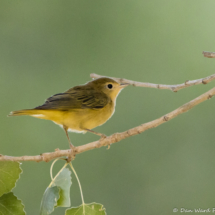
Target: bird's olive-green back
84, 96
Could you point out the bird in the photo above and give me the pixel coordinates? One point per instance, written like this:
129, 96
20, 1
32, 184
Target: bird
81, 108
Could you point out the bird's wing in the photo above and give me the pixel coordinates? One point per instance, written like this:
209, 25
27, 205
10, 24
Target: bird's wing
75, 99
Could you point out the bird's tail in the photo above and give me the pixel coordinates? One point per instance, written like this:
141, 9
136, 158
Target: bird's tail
30, 112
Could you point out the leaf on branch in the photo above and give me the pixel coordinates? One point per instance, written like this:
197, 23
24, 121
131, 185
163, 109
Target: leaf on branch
49, 201
90, 209
10, 204
63, 180
9, 174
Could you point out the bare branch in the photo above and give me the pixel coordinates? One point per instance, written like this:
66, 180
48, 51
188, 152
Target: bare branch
42, 157
173, 88
209, 54
114, 137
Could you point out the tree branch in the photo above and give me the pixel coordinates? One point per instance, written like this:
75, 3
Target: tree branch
114, 137
173, 88
209, 54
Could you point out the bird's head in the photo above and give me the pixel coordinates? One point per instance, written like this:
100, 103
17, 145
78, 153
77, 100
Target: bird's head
108, 86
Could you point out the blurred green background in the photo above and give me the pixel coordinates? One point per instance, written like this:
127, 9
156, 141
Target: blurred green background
49, 46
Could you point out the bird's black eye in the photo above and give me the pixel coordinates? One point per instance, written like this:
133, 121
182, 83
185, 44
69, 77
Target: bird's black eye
110, 86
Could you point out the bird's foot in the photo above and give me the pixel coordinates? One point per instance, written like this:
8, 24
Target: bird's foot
103, 136
71, 146
72, 155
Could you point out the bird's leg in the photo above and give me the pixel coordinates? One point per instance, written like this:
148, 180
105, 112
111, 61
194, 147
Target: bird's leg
97, 133
70, 144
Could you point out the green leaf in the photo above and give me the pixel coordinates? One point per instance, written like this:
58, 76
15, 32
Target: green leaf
63, 180
90, 209
10, 205
49, 201
9, 174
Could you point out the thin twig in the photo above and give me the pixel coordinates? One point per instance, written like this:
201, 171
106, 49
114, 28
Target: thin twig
114, 137
209, 54
173, 88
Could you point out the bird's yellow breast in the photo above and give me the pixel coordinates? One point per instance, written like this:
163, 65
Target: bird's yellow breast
78, 120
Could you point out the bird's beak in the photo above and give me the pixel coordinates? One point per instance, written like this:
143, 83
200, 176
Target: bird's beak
123, 85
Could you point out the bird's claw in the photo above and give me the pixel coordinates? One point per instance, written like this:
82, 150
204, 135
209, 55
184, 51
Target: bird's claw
72, 155
103, 136
71, 146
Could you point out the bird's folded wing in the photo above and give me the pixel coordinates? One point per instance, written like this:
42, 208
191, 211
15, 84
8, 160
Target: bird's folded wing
75, 100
